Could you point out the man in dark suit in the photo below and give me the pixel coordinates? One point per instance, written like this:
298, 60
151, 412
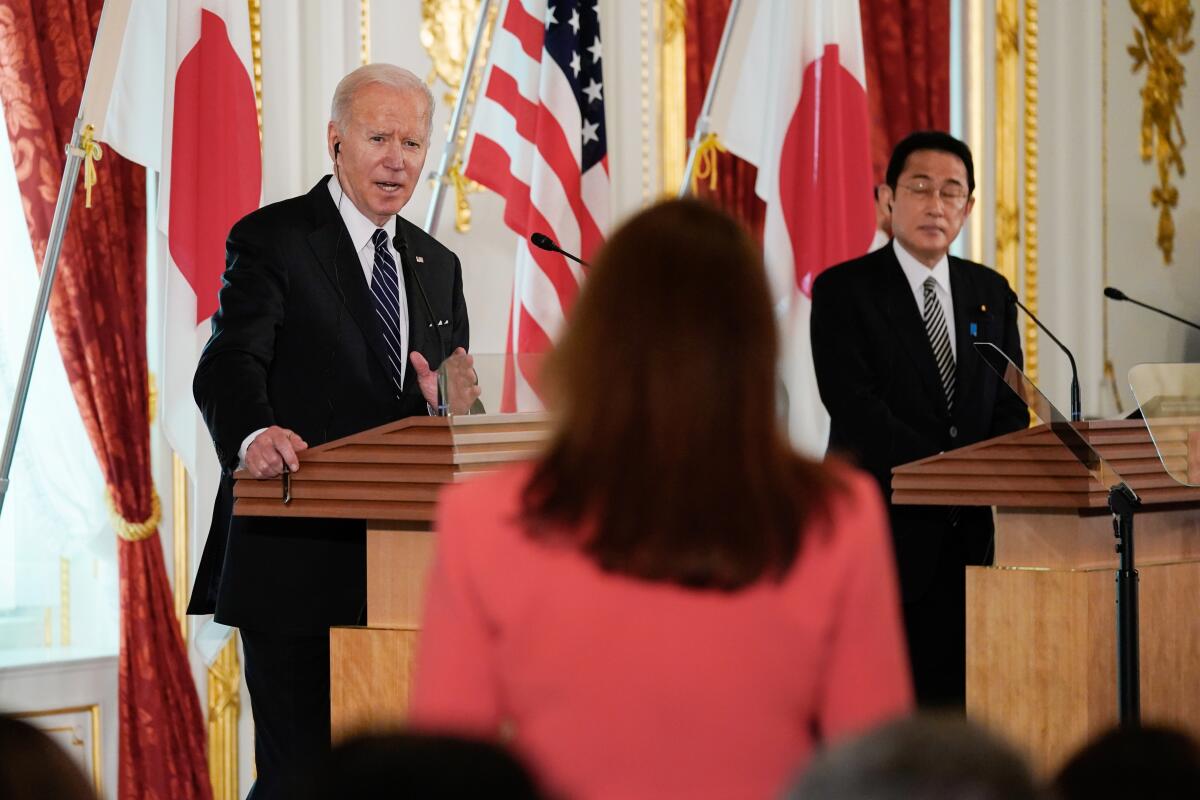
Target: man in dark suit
331, 312
892, 338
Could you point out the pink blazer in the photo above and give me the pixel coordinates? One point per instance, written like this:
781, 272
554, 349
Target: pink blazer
619, 688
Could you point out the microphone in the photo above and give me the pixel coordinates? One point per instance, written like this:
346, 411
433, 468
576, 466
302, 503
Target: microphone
1113, 293
401, 245
546, 243
1076, 405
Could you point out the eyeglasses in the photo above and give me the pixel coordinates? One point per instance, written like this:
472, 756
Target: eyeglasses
953, 195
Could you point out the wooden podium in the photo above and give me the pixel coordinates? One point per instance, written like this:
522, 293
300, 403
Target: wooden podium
1041, 622
389, 476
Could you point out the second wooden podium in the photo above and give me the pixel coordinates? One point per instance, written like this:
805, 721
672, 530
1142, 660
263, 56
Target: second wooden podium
1041, 622
389, 476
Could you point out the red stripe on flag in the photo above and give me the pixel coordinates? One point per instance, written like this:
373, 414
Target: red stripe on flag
216, 162
537, 123
491, 166
529, 30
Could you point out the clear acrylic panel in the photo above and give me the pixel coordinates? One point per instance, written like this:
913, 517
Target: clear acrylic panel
1058, 422
490, 383
1168, 395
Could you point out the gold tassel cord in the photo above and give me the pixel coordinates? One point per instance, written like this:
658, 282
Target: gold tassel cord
136, 531
706, 162
91, 153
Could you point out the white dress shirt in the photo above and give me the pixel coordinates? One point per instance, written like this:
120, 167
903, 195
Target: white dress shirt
917, 273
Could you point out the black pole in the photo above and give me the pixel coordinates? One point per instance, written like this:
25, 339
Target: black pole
1123, 502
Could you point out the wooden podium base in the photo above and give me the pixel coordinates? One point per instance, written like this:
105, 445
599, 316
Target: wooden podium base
1041, 640
370, 671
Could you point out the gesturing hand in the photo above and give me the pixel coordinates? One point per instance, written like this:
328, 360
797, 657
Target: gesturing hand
461, 383
271, 450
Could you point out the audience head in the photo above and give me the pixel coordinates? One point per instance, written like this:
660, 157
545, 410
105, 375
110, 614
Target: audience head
1150, 763
33, 767
668, 438
930, 178
919, 758
420, 765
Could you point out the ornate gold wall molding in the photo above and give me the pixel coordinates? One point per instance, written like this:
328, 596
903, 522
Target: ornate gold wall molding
255, 7
1007, 214
1017, 165
672, 94
48, 726
224, 708
1031, 183
447, 28
179, 540
1165, 35
364, 32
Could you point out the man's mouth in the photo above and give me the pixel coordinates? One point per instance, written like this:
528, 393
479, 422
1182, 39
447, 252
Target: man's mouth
388, 187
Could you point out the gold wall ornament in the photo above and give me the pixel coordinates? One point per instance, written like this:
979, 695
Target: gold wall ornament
1007, 213
255, 9
1030, 129
1164, 37
179, 540
224, 708
672, 97
447, 27
364, 32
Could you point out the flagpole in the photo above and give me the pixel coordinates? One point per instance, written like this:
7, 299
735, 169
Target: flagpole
702, 121
93, 108
439, 177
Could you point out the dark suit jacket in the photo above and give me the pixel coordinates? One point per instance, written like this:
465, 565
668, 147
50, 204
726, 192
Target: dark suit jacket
296, 343
878, 379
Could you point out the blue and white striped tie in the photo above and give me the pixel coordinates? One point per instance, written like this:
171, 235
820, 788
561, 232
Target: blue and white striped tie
385, 288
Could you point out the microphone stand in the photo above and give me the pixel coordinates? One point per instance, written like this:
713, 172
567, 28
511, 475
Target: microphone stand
1076, 404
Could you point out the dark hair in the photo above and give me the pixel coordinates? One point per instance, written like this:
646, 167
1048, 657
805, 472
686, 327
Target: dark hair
1153, 763
668, 445
34, 767
929, 140
420, 765
919, 758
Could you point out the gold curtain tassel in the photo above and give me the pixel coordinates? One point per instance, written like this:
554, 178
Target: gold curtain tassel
706, 162
135, 531
91, 154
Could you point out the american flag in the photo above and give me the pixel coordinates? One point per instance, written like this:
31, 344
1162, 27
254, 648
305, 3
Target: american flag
539, 141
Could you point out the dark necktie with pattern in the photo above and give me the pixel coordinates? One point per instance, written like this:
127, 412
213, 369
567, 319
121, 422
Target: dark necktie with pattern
939, 339
385, 288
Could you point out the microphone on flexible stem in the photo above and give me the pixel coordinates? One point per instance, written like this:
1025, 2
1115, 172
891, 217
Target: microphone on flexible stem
1076, 405
401, 245
546, 243
1116, 294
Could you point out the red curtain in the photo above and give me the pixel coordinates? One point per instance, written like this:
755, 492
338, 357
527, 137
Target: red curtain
735, 177
906, 45
98, 309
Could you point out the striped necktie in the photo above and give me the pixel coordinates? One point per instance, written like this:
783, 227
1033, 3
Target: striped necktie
939, 339
385, 288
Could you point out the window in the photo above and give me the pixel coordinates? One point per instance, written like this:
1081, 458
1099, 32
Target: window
59, 591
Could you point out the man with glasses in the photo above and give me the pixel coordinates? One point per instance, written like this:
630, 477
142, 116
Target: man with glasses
892, 338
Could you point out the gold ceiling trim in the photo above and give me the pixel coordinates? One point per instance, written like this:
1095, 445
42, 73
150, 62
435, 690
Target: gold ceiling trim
1165, 35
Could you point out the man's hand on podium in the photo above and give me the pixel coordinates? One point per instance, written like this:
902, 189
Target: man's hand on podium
271, 450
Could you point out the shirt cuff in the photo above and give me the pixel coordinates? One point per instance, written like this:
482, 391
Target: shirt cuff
249, 440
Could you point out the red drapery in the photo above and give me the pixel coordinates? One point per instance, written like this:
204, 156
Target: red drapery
98, 312
906, 46
735, 177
